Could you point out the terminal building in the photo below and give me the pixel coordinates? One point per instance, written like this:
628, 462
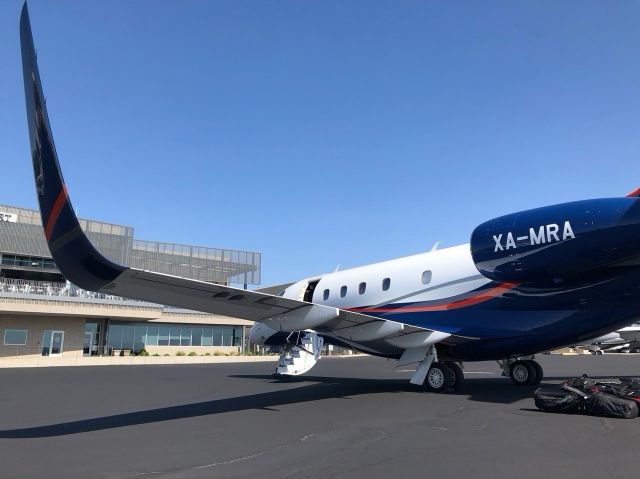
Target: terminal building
41, 313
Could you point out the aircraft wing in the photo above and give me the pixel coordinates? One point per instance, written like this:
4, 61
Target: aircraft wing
85, 267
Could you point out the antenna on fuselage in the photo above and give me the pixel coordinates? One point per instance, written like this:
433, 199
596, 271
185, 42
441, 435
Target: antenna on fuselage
337, 269
435, 246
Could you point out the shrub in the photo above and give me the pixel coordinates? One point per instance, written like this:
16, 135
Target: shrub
180, 353
167, 354
156, 354
193, 353
218, 353
207, 354
143, 352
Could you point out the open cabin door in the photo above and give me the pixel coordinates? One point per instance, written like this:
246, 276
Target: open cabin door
307, 293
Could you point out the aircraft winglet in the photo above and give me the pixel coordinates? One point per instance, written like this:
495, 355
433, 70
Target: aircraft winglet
65, 238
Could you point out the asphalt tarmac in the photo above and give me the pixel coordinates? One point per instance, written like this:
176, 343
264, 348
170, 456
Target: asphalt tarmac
351, 417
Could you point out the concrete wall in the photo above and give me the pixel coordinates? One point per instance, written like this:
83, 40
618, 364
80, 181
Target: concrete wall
36, 325
38, 313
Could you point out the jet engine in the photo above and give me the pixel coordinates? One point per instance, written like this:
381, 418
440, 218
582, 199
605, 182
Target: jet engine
559, 241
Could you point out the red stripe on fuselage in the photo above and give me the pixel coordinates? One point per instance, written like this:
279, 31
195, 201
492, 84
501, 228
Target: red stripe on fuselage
461, 303
55, 211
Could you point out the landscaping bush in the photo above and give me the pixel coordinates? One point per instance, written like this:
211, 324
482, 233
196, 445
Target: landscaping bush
193, 353
180, 353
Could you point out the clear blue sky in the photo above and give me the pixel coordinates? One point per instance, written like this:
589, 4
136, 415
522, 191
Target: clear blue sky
327, 132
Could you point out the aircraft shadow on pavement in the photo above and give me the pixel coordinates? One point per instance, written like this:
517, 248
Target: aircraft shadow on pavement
494, 390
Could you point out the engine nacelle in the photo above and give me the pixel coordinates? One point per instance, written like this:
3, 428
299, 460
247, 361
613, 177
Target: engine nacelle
557, 241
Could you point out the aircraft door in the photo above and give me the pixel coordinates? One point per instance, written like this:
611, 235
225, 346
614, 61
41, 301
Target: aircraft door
308, 291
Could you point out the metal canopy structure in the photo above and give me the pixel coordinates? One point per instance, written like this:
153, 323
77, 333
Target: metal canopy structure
23, 248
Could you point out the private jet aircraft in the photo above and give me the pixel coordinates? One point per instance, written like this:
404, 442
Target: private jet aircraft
611, 342
526, 282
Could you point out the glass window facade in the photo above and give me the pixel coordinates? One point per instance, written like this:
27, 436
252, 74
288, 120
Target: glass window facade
136, 336
15, 337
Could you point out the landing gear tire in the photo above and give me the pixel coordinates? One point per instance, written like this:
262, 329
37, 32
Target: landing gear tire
522, 373
599, 351
439, 378
539, 372
458, 376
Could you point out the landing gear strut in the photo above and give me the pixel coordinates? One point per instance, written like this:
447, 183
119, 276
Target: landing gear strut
523, 372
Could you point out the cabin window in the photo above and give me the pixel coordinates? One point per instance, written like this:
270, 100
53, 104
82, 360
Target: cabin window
362, 288
386, 283
426, 277
325, 295
343, 291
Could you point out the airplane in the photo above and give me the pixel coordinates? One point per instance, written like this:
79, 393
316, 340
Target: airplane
607, 342
526, 282
631, 334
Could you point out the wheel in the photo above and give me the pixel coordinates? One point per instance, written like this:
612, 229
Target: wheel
599, 351
439, 378
522, 372
458, 375
539, 372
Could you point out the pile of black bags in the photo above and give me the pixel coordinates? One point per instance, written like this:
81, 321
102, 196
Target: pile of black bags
617, 398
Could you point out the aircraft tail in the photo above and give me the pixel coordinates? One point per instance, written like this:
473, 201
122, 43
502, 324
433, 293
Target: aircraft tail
67, 242
634, 194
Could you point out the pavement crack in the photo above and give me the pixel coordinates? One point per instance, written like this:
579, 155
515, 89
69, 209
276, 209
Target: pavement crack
234, 460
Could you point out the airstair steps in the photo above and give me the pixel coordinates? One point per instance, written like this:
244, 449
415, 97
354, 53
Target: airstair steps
298, 358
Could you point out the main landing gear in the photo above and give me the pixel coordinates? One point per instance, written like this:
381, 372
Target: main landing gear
438, 376
443, 376
523, 372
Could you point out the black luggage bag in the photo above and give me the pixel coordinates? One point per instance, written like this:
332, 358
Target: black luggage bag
608, 405
559, 400
570, 400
